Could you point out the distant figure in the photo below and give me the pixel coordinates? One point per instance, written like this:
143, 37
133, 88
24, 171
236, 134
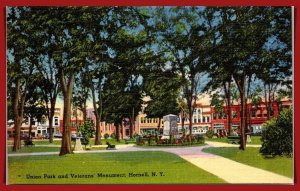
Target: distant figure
222, 133
225, 133
235, 133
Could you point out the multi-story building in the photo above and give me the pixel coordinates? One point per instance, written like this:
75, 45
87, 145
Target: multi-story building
39, 129
204, 118
146, 125
201, 118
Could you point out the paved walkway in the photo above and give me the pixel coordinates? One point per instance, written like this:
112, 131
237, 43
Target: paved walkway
226, 169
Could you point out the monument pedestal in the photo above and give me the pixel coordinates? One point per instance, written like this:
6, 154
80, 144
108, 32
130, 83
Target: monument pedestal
248, 139
78, 146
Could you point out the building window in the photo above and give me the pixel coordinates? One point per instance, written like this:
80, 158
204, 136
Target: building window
219, 115
214, 116
234, 114
56, 121
271, 111
252, 113
203, 119
195, 119
207, 119
224, 116
199, 119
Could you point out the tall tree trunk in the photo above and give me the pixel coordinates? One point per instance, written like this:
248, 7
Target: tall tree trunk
122, 131
76, 121
246, 105
227, 90
17, 125
241, 86
191, 106
17, 133
131, 124
84, 112
97, 113
117, 125
190, 125
269, 102
30, 127
50, 129
98, 132
243, 121
50, 117
66, 134
266, 100
158, 129
182, 123
18, 108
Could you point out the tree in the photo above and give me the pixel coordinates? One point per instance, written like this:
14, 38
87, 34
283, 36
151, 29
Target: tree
247, 32
163, 88
21, 60
123, 81
34, 105
217, 102
49, 85
86, 130
81, 93
187, 45
277, 135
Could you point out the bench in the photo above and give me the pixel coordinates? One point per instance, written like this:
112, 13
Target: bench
28, 142
110, 146
233, 139
127, 141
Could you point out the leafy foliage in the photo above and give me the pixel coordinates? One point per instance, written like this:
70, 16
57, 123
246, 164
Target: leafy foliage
87, 131
277, 135
210, 133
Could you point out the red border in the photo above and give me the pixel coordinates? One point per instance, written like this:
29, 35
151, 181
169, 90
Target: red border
4, 3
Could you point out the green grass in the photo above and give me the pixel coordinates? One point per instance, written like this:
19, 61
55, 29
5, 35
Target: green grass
255, 140
58, 142
34, 149
175, 169
252, 157
46, 142
169, 145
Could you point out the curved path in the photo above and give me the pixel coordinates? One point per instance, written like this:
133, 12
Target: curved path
226, 169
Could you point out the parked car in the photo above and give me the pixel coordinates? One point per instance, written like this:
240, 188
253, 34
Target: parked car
46, 136
57, 135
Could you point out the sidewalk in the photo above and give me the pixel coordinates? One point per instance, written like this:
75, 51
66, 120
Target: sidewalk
231, 171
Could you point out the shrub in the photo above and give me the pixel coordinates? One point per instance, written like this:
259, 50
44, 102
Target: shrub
152, 140
87, 130
106, 135
113, 136
200, 139
139, 140
210, 134
277, 135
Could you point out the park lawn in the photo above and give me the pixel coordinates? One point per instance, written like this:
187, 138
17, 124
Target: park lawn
33, 149
46, 142
175, 169
92, 142
46, 149
58, 142
252, 157
255, 140
170, 146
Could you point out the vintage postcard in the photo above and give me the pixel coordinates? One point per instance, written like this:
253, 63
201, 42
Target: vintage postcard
185, 95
